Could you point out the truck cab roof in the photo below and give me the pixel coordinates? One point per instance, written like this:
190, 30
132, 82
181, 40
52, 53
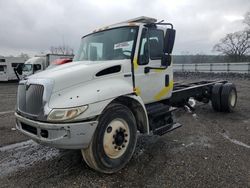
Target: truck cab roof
33, 60
135, 21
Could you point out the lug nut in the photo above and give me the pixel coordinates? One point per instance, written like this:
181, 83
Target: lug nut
126, 135
119, 148
123, 145
113, 142
115, 147
125, 140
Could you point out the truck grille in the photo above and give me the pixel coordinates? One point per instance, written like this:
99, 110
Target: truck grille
30, 98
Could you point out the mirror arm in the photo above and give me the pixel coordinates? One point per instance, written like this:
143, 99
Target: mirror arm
147, 69
15, 70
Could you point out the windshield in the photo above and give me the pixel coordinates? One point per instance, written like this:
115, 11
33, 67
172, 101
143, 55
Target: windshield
27, 67
110, 44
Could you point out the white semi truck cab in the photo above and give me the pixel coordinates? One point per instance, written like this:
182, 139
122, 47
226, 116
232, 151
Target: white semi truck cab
121, 82
39, 63
33, 65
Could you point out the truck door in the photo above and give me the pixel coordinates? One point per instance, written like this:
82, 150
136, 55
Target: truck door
3, 73
155, 84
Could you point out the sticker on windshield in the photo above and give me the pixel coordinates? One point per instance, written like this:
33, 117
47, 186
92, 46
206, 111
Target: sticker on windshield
121, 45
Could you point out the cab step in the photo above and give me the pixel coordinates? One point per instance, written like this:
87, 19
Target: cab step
158, 109
166, 128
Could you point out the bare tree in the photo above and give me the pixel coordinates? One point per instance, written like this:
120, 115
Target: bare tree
247, 19
23, 55
234, 45
64, 49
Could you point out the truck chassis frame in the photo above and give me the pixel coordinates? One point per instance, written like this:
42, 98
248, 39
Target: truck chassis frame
201, 91
198, 90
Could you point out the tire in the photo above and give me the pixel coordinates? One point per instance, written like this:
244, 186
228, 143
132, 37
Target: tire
114, 140
216, 96
228, 97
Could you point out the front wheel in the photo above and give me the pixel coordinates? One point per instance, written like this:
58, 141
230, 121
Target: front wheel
114, 141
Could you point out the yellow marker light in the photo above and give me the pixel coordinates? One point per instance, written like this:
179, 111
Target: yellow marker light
131, 24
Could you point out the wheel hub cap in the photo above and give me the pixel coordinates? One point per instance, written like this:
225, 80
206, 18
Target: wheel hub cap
119, 138
116, 138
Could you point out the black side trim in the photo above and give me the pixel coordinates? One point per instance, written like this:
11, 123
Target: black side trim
29, 128
166, 80
110, 70
132, 58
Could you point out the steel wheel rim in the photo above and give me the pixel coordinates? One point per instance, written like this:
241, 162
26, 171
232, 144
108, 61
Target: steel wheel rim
116, 138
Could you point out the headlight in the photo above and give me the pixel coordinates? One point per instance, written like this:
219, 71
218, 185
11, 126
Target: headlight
66, 114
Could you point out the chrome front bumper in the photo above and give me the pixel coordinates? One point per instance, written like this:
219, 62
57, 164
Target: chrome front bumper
63, 135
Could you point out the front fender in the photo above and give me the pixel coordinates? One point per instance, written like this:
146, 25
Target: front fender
136, 105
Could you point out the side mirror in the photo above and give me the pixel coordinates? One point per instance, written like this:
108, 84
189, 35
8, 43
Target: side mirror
169, 41
19, 69
166, 60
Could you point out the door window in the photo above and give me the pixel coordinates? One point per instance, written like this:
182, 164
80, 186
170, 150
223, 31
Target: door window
143, 53
37, 67
156, 43
151, 45
2, 68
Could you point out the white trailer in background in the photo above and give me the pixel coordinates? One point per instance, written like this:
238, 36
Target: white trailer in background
40, 63
7, 65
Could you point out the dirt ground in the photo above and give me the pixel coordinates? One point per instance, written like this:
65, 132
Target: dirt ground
211, 149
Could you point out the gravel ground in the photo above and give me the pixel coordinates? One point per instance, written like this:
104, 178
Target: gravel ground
8, 135
211, 149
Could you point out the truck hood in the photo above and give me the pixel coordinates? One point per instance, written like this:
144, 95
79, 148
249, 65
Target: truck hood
75, 73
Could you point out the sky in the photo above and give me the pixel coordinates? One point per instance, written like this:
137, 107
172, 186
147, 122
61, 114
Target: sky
33, 26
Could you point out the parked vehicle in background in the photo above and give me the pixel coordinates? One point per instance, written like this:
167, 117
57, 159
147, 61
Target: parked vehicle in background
40, 63
7, 66
58, 62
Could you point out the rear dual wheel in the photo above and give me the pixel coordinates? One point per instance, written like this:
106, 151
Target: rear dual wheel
224, 97
114, 141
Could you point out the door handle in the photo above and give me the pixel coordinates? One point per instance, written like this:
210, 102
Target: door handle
127, 75
147, 69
